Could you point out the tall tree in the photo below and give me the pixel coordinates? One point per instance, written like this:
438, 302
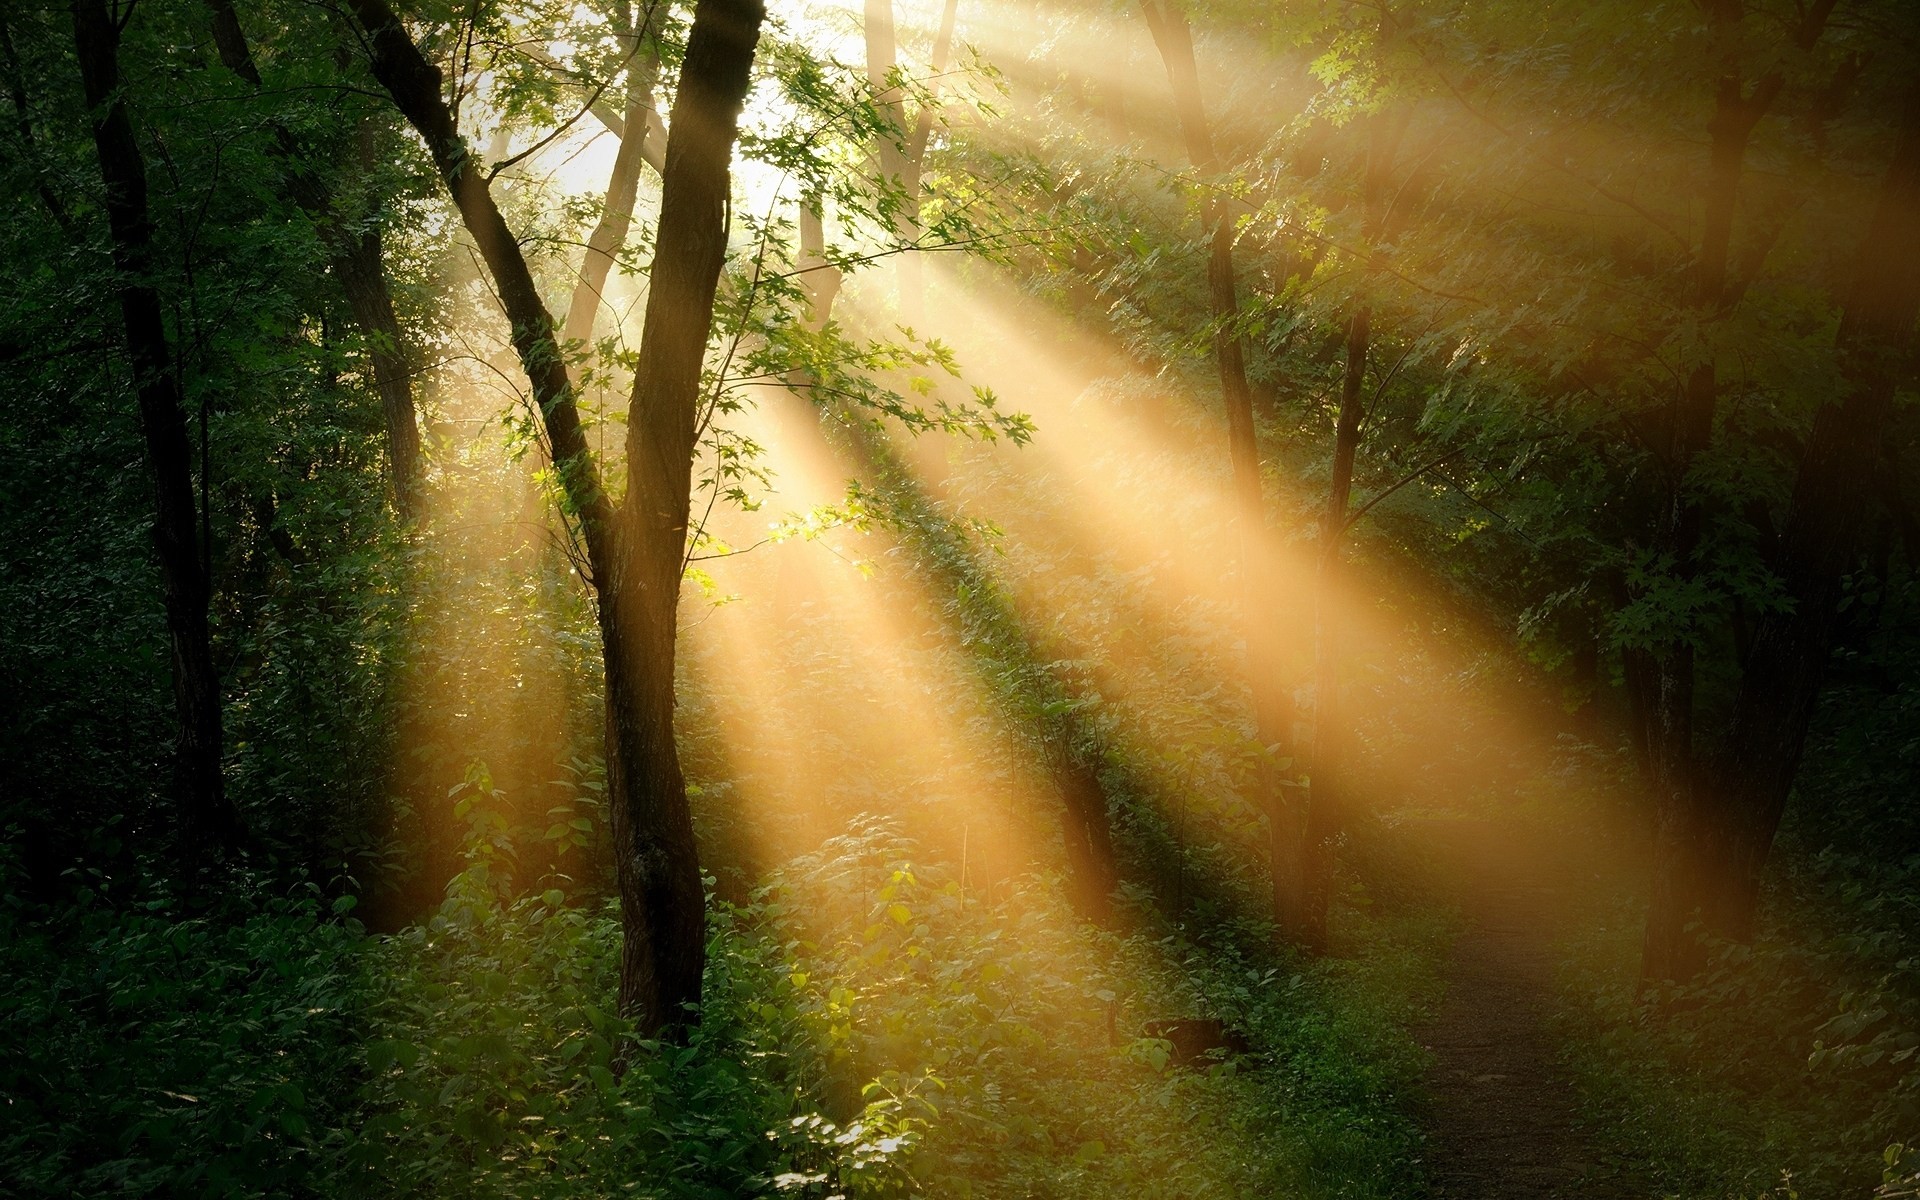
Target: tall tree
1305, 918
637, 133
1744, 793
900, 153
207, 813
636, 548
1272, 700
1679, 787
356, 257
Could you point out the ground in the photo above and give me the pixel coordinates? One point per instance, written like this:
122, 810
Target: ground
1502, 1117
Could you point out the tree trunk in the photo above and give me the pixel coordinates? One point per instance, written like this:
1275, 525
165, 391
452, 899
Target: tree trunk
893, 161
623, 186
1680, 860
913, 284
1306, 922
357, 260
660, 875
1092, 872
207, 814
1272, 702
636, 553
1833, 497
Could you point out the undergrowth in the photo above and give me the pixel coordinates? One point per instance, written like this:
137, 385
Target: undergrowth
870, 1029
1789, 1068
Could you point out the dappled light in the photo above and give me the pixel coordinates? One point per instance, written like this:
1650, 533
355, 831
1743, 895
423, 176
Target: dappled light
854, 600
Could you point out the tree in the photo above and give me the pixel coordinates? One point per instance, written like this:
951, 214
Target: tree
635, 548
357, 261
1688, 430
208, 816
636, 131
1272, 700
1743, 796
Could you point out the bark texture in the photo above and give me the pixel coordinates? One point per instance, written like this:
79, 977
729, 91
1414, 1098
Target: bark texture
660, 879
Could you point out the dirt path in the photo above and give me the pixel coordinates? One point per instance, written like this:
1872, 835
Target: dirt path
1502, 1121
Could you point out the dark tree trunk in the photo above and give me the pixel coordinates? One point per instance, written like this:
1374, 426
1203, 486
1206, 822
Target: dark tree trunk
1833, 498
208, 816
660, 875
1093, 874
357, 260
636, 553
1303, 913
359, 263
1306, 922
1682, 859
1272, 701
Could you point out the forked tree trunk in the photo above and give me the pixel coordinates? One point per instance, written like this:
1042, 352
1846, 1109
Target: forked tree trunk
913, 275
208, 817
636, 553
357, 261
660, 872
1272, 701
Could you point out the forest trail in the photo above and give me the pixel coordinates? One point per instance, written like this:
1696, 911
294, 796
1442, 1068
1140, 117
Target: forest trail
1502, 1121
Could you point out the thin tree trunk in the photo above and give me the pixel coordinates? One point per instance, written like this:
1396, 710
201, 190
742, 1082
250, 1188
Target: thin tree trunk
635, 553
357, 260
207, 814
1833, 496
819, 279
1326, 797
890, 159
623, 185
1272, 702
913, 282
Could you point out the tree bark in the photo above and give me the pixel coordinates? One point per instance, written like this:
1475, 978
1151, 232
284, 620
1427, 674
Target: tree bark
913, 282
636, 553
896, 164
1272, 702
358, 262
1092, 871
659, 869
208, 816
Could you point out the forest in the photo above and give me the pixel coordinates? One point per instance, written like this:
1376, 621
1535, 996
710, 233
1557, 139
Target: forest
960, 598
